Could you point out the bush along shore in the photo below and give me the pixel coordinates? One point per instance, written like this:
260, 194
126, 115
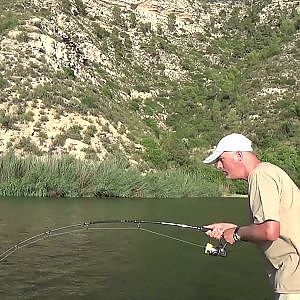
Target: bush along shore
66, 176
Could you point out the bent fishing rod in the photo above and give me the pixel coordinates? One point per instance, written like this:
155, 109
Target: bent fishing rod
219, 250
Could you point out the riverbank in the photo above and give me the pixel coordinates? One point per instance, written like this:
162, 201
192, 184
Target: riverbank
66, 176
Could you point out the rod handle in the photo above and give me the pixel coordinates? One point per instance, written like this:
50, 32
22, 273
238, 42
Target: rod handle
205, 229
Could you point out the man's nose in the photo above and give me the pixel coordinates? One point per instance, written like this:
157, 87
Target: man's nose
219, 165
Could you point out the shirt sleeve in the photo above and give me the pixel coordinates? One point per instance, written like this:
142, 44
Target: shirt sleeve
264, 197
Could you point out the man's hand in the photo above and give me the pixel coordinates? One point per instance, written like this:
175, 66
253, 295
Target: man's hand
267, 231
218, 229
228, 235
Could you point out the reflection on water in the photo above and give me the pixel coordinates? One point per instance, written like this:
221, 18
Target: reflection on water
124, 264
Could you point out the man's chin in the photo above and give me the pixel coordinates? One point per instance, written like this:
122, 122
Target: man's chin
229, 176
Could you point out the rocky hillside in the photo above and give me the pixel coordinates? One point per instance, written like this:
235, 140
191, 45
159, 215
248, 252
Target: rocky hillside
156, 81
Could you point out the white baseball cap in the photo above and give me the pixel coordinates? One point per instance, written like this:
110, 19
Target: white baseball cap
232, 142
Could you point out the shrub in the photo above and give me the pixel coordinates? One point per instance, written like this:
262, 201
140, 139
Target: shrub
6, 121
91, 130
74, 132
89, 101
154, 153
80, 7
68, 72
29, 116
172, 22
28, 146
101, 32
59, 140
3, 82
23, 37
7, 22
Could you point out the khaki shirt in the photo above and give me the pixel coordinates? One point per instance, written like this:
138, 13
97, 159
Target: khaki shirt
274, 196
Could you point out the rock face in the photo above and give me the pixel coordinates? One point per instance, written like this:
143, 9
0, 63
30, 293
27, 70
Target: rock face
69, 69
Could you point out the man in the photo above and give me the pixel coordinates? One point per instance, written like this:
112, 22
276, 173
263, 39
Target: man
274, 201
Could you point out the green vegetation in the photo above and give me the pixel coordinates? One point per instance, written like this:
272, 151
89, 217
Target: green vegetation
7, 22
173, 91
3, 82
69, 73
219, 99
26, 144
23, 37
68, 7
67, 177
74, 132
80, 7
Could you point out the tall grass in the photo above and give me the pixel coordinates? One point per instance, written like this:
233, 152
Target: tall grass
66, 176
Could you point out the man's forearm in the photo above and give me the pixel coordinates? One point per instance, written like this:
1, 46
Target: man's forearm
267, 231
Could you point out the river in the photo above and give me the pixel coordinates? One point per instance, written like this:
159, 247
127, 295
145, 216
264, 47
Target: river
115, 264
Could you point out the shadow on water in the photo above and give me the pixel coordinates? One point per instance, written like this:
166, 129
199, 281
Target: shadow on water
125, 264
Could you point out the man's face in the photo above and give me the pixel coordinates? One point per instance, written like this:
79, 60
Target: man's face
230, 163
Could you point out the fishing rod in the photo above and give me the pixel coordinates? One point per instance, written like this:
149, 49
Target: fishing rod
219, 250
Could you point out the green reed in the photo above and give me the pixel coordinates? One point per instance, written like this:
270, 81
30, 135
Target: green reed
65, 176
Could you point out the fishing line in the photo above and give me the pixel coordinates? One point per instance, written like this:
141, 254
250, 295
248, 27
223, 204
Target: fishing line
209, 248
172, 238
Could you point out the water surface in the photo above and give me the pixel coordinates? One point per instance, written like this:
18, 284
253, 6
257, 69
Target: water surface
115, 264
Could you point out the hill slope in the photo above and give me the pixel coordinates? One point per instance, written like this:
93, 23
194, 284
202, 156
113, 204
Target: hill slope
156, 81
